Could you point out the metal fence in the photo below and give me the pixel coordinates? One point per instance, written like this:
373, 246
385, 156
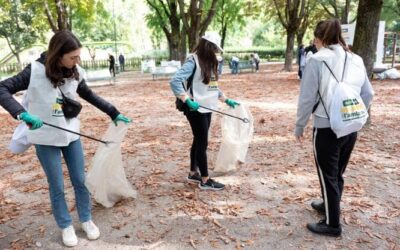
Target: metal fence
130, 64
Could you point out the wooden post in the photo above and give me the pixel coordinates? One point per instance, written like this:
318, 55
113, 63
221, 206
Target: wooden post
385, 44
394, 49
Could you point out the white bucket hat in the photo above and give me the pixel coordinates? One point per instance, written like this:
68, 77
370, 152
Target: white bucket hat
213, 37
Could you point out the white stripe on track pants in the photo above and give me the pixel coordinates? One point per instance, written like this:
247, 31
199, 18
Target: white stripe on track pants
331, 157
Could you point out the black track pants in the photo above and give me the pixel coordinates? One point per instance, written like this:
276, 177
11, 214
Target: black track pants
331, 158
200, 124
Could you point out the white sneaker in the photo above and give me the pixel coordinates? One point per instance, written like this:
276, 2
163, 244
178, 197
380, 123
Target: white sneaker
69, 237
91, 230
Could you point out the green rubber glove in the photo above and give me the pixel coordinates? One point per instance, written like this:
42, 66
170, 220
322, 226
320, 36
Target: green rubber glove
193, 106
122, 119
231, 103
32, 121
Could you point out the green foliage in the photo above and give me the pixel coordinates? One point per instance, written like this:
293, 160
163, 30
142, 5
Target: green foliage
270, 54
345, 10
94, 27
268, 34
230, 14
17, 25
156, 22
391, 15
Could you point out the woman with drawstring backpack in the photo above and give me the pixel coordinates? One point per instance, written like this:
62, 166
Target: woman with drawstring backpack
331, 153
48, 81
201, 70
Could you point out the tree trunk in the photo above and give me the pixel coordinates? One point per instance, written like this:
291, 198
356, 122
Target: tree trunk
50, 17
291, 18
223, 36
174, 50
366, 33
62, 15
183, 46
345, 14
299, 38
18, 60
289, 50
196, 19
193, 38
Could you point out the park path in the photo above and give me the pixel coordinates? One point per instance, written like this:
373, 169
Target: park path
266, 202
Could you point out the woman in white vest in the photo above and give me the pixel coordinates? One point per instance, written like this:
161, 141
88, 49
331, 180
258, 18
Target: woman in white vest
331, 154
57, 72
202, 68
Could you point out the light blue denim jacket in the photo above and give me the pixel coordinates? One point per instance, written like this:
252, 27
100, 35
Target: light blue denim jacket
182, 75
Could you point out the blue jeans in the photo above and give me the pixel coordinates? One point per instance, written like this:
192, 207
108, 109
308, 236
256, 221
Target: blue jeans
220, 65
235, 67
50, 159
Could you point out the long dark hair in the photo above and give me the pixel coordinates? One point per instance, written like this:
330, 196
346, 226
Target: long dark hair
61, 43
330, 32
205, 51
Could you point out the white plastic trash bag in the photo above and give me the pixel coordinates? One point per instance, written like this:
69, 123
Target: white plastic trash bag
236, 137
19, 142
347, 112
106, 179
392, 73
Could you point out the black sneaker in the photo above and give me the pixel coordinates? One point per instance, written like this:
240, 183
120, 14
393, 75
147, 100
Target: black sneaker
194, 178
211, 184
319, 206
324, 229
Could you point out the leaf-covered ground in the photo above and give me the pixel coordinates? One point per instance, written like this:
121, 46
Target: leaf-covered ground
267, 200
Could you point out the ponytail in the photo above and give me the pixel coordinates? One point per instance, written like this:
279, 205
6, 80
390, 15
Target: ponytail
330, 32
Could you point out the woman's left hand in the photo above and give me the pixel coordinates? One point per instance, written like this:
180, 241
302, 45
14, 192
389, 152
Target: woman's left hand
231, 103
122, 119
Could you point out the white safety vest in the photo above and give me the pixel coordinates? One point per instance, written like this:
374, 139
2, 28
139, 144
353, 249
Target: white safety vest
45, 101
205, 94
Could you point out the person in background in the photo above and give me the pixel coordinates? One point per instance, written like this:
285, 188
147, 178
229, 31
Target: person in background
331, 154
255, 60
56, 73
121, 60
220, 59
310, 50
301, 58
111, 67
235, 65
201, 67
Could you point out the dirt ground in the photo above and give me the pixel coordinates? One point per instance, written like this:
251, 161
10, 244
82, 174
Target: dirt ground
267, 200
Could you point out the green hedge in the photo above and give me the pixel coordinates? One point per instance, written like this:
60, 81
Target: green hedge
264, 54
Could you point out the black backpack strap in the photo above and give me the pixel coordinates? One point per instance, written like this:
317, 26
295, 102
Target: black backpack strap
61, 92
190, 79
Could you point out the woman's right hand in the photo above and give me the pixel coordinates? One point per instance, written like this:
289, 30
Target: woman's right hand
32, 121
193, 106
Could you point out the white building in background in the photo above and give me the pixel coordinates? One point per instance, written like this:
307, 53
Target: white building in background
348, 31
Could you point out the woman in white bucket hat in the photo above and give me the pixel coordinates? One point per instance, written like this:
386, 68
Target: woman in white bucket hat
196, 84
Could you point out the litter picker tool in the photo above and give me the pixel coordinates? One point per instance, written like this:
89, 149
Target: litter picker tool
73, 132
245, 120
